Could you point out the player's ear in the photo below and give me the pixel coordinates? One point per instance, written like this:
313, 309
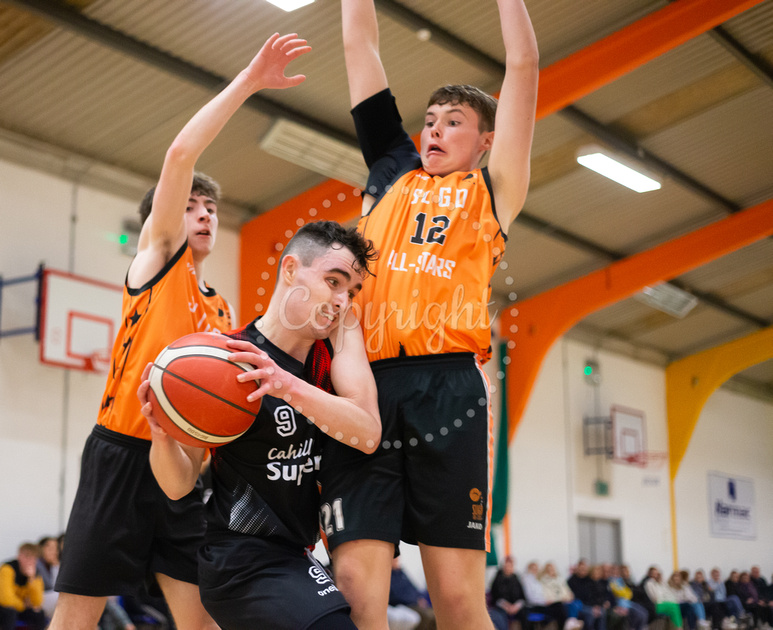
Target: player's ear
486, 140
289, 268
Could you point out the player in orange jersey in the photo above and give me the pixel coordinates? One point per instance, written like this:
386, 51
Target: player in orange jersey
122, 527
440, 223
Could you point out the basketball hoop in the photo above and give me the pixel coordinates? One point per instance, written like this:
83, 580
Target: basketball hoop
98, 362
644, 459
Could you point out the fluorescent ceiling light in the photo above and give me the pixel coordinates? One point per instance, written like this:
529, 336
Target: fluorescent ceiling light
617, 168
316, 151
668, 298
290, 5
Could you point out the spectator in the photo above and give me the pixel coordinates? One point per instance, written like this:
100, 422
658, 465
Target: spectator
48, 569
592, 590
21, 590
731, 585
692, 610
507, 592
715, 610
749, 597
764, 598
557, 590
686, 591
536, 598
663, 597
638, 594
403, 592
625, 606
733, 609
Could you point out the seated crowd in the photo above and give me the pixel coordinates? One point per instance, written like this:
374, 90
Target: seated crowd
602, 597
605, 597
27, 595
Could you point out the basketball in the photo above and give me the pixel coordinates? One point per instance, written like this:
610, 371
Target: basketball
196, 397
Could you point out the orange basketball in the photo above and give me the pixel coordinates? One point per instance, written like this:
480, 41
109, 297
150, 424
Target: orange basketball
196, 397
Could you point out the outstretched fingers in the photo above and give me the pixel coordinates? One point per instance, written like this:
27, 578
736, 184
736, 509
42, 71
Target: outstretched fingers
273, 58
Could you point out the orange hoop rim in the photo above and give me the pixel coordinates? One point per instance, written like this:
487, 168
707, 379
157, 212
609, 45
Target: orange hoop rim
98, 362
645, 458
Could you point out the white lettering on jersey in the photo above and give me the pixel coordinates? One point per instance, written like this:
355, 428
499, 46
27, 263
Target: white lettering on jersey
284, 416
443, 198
277, 471
293, 452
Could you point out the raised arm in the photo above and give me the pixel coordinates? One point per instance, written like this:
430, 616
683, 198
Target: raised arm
164, 231
509, 161
363, 63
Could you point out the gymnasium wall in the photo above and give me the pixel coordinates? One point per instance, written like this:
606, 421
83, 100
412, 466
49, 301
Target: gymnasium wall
47, 412
734, 437
553, 481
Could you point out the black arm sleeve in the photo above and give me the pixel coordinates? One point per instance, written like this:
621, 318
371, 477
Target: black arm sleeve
388, 150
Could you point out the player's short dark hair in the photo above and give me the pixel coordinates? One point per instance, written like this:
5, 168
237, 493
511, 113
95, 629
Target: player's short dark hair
202, 185
483, 104
314, 239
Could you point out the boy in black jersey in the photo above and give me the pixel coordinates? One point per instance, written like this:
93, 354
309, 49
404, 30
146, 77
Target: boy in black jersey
255, 568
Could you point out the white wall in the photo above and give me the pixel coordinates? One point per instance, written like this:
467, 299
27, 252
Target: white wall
47, 412
734, 436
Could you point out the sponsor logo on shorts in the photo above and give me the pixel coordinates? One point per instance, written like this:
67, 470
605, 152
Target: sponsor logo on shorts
327, 591
320, 577
476, 496
284, 416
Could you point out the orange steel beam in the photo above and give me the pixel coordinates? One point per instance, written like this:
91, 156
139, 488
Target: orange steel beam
602, 62
559, 85
532, 326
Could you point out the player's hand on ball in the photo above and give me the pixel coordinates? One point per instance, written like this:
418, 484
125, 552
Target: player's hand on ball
147, 406
271, 379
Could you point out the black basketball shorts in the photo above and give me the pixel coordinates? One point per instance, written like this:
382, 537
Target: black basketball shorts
430, 479
122, 526
250, 582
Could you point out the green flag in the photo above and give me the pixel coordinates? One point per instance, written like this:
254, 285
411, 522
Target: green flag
501, 468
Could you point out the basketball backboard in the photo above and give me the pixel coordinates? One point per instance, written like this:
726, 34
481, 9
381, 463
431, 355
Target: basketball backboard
79, 320
629, 439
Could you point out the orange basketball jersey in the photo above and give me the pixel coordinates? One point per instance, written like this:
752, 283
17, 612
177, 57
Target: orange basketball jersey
440, 243
168, 307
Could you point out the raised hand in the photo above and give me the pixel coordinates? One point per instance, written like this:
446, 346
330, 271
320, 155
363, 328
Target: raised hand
267, 69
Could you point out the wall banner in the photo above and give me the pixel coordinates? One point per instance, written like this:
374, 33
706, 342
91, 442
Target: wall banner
732, 512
